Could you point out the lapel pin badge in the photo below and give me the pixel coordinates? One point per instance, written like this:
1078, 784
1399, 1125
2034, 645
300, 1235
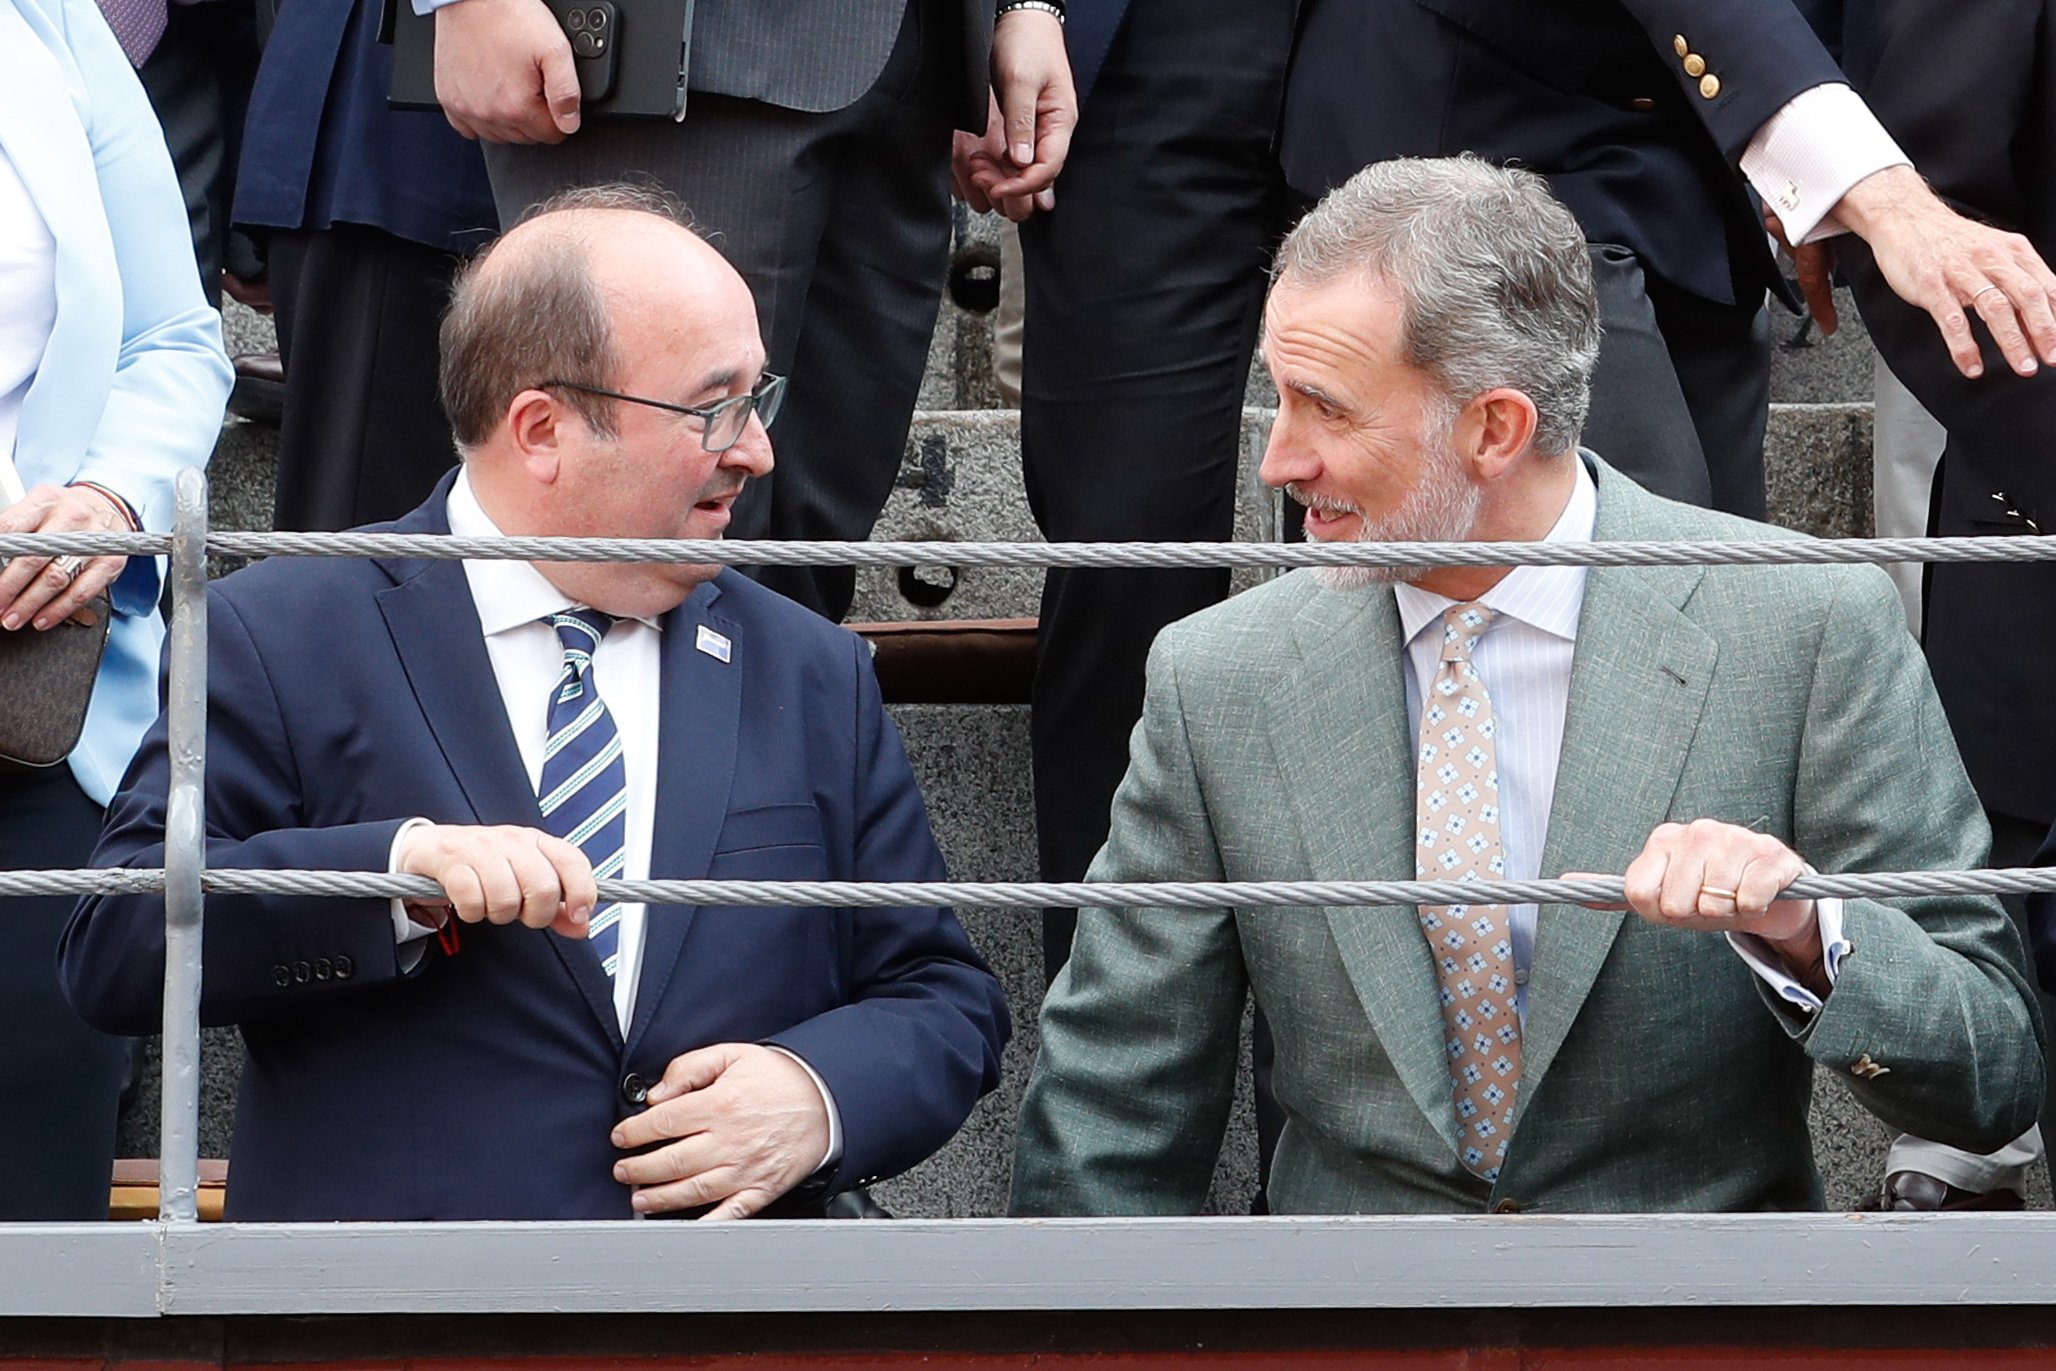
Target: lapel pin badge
713, 644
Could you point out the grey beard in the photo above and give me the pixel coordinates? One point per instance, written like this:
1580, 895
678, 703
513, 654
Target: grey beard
1443, 508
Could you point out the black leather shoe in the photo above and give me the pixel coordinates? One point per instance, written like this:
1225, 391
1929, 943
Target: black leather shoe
1916, 1191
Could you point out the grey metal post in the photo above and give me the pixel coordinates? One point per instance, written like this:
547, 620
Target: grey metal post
185, 854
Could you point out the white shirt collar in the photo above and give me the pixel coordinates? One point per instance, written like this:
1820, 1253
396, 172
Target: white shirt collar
508, 594
1543, 597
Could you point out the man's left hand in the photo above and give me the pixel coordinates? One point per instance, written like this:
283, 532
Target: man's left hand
1723, 878
744, 1125
1951, 266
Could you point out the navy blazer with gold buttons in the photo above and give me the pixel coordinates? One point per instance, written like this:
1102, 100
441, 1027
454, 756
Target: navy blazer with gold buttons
1637, 111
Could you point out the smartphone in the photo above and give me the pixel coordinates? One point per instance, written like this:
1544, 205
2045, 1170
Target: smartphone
594, 28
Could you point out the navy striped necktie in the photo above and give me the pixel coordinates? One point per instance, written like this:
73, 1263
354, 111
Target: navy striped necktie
584, 789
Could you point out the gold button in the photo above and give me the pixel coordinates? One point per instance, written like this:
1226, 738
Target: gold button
1695, 65
1709, 85
1642, 103
1506, 1206
1681, 45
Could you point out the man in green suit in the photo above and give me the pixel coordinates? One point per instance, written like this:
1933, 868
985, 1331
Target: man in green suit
1707, 730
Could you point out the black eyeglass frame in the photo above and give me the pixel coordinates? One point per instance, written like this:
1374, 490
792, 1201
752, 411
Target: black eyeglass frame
764, 400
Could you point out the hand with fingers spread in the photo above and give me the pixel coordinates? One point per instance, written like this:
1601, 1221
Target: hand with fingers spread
45, 591
1723, 878
742, 1124
503, 72
500, 875
1014, 165
1952, 267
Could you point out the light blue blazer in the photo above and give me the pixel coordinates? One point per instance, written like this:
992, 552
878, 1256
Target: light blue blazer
134, 381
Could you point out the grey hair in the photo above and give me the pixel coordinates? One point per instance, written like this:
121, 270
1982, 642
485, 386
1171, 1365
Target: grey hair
507, 331
1492, 273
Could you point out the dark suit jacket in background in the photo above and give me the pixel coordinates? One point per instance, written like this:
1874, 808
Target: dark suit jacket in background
348, 696
1969, 90
323, 147
1590, 93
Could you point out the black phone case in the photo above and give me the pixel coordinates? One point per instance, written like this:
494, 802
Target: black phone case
651, 46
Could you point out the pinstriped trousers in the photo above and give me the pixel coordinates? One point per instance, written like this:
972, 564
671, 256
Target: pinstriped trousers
840, 223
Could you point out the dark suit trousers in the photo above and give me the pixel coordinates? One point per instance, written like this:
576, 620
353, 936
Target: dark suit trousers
363, 438
198, 80
60, 1082
1144, 290
1682, 391
840, 223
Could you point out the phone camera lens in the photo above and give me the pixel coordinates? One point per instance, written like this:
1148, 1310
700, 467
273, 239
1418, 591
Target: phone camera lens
596, 20
575, 21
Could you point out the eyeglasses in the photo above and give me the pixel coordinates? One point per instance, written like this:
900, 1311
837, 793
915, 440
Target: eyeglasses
725, 419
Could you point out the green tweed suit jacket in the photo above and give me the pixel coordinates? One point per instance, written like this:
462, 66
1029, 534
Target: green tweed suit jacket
1659, 1073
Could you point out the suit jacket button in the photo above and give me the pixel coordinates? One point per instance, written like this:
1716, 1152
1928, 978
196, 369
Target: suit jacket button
302, 972
1680, 45
323, 968
1641, 104
1695, 65
1506, 1206
1709, 85
281, 975
345, 968
634, 1089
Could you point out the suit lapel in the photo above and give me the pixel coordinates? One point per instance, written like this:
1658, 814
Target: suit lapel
1639, 681
701, 709
1340, 732
434, 625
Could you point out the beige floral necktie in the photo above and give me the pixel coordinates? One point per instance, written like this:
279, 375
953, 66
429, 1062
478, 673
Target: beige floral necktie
1456, 809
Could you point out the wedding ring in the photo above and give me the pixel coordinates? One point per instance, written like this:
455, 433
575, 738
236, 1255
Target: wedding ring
1718, 892
70, 566
1981, 295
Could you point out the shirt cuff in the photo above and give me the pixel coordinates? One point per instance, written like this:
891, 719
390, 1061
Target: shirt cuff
407, 934
428, 7
1827, 914
834, 1153
1807, 156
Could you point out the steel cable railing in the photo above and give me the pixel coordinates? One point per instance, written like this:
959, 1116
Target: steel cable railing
185, 880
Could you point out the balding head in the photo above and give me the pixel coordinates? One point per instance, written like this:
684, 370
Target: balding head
606, 289
549, 299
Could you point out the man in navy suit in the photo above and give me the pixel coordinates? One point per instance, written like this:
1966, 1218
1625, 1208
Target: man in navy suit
604, 375
1640, 113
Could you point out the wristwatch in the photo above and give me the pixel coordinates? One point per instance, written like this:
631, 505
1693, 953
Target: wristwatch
1053, 7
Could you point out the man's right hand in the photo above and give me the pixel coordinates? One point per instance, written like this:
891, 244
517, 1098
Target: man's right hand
502, 875
503, 72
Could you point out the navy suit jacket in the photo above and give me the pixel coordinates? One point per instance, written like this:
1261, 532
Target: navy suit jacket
321, 147
1590, 93
347, 696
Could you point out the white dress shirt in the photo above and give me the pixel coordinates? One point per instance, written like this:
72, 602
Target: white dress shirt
28, 303
1524, 660
1806, 157
527, 656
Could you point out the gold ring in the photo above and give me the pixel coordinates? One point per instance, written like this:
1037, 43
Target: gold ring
70, 566
1982, 294
1717, 891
